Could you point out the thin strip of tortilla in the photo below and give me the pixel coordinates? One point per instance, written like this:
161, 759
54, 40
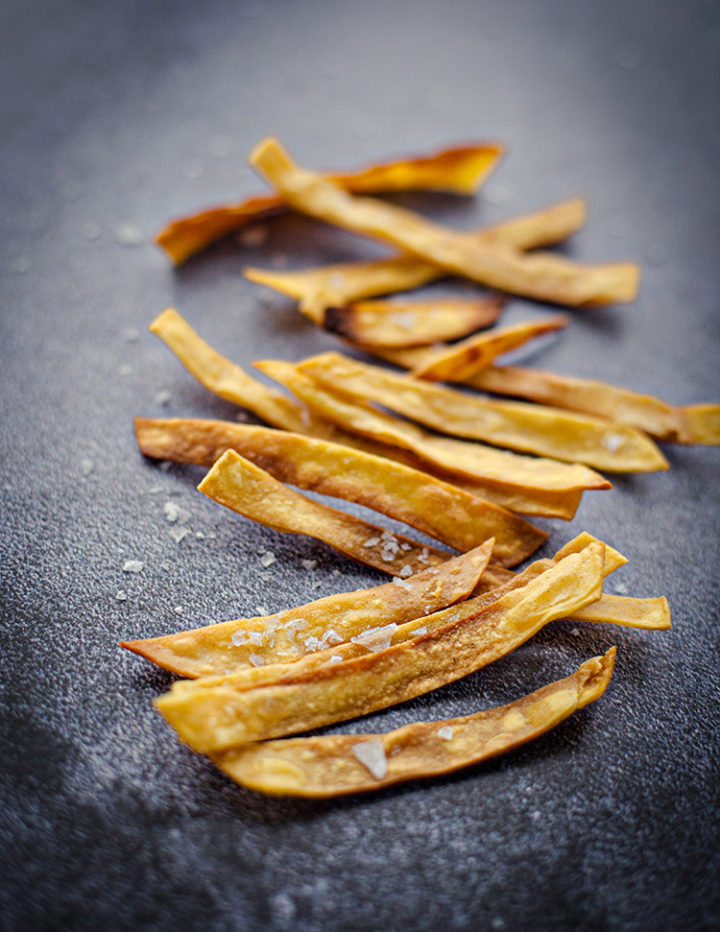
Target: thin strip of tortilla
412, 323
337, 285
457, 170
529, 428
261, 642
335, 765
220, 718
544, 277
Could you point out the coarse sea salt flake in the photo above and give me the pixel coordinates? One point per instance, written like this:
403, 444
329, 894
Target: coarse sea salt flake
371, 754
267, 558
377, 638
406, 570
256, 637
335, 658
177, 533
402, 584
133, 566
256, 660
371, 542
446, 732
309, 564
612, 442
86, 466
121, 595
418, 631
238, 638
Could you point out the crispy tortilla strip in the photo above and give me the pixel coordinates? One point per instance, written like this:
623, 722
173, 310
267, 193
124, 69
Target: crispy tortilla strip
493, 468
240, 485
412, 323
457, 170
334, 765
455, 363
220, 718
633, 613
431, 506
340, 284
230, 381
552, 432
331, 621
545, 277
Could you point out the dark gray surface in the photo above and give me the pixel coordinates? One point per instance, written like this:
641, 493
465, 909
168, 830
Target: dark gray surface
135, 112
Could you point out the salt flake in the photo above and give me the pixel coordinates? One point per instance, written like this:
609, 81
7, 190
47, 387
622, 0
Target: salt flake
446, 732
256, 660
133, 566
377, 638
267, 558
371, 754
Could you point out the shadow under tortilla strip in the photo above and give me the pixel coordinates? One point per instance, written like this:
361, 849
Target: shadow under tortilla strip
455, 363
220, 718
412, 323
334, 765
277, 639
457, 170
339, 284
544, 277
529, 428
243, 487
428, 504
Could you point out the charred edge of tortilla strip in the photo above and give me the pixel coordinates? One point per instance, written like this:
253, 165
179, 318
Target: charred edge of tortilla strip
428, 504
544, 277
457, 170
238, 484
458, 362
412, 323
212, 650
328, 765
483, 464
218, 718
527, 428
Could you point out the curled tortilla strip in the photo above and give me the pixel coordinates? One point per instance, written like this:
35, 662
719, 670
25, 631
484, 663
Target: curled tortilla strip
412, 323
545, 277
552, 432
243, 487
428, 504
334, 765
457, 170
337, 285
219, 718
455, 363
498, 469
284, 636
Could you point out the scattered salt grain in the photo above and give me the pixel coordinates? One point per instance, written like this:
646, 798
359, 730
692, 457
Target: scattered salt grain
128, 234
406, 570
256, 660
402, 583
371, 754
335, 572
424, 556
174, 514
163, 396
612, 442
405, 546
267, 559
331, 637
200, 535
133, 566
309, 564
177, 533
575, 632
418, 631
86, 466
211, 535
178, 609
256, 637
254, 237
312, 643
377, 638
446, 732
261, 610
405, 319
265, 577
335, 658
238, 638
121, 595
371, 542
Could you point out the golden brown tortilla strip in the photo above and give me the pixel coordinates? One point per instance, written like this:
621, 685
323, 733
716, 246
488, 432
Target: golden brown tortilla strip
545, 277
457, 170
340, 284
220, 718
334, 765
252, 643
428, 504
550, 432
412, 323
455, 363
243, 487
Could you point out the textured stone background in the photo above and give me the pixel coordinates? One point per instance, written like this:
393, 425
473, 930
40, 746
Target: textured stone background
118, 115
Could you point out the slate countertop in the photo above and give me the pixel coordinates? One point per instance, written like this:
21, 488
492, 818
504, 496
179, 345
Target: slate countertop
117, 117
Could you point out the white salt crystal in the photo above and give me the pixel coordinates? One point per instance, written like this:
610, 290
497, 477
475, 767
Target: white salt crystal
418, 631
446, 732
406, 570
86, 466
211, 535
175, 514
332, 637
121, 595
200, 535
371, 754
575, 632
335, 658
254, 237
405, 546
256, 660
424, 556
309, 564
163, 396
312, 643
402, 583
335, 572
238, 638
612, 442
133, 566
371, 542
177, 533
377, 638
267, 558
127, 234
178, 610
256, 637
261, 610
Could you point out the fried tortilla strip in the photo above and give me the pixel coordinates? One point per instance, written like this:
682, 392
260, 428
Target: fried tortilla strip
553, 432
431, 506
334, 765
337, 285
220, 718
412, 323
457, 170
457, 362
243, 487
250, 643
545, 277
519, 483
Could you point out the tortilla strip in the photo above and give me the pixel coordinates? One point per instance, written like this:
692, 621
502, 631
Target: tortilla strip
431, 506
455, 363
545, 277
219, 718
487, 465
338, 285
412, 323
457, 170
331, 765
284, 636
553, 432
230, 381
